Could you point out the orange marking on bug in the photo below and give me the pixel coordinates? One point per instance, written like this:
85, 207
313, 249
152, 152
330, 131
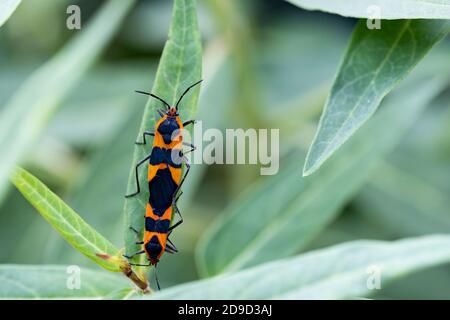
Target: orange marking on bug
149, 213
177, 139
153, 169
176, 174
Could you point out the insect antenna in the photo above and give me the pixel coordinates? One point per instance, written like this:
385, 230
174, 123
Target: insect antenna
154, 96
156, 279
186, 91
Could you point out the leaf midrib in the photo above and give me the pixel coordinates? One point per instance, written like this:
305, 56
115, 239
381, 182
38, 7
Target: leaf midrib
20, 285
181, 53
325, 153
33, 188
362, 270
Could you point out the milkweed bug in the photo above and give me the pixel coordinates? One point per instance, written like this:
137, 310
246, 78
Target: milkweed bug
164, 181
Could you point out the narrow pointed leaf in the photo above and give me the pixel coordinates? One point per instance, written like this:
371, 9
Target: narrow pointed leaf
123, 294
281, 215
67, 222
56, 282
7, 7
375, 61
388, 9
339, 272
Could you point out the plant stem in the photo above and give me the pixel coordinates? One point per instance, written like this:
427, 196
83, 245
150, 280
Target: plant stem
141, 284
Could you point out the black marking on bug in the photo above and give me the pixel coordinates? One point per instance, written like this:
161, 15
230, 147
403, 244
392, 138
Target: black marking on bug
160, 226
162, 190
153, 248
167, 127
161, 155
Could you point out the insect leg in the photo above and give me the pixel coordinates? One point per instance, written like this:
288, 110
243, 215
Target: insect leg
170, 249
176, 225
174, 202
189, 145
171, 246
134, 230
134, 254
188, 123
137, 234
137, 177
156, 278
179, 222
140, 265
188, 167
178, 197
146, 133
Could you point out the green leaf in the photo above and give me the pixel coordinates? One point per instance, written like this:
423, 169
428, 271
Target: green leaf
55, 282
67, 222
403, 203
7, 7
340, 272
375, 61
31, 107
122, 294
113, 156
278, 217
388, 9
179, 67
101, 189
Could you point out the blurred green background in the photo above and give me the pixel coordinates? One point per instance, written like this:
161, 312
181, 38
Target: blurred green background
267, 64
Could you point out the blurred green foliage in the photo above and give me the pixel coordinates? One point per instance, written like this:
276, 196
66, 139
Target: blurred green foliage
276, 73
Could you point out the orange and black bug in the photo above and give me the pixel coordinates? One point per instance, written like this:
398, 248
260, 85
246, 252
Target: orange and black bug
164, 180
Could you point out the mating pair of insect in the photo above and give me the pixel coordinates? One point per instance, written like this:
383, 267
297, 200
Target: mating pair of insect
164, 181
